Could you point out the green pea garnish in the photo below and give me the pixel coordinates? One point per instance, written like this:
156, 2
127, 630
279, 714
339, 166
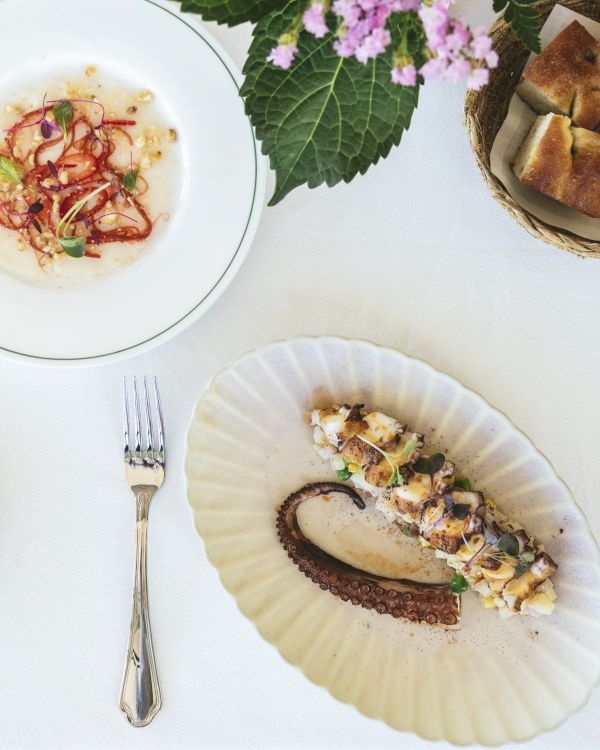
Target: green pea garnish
459, 584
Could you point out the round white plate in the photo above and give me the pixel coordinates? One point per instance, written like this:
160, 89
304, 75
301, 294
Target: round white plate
491, 682
217, 198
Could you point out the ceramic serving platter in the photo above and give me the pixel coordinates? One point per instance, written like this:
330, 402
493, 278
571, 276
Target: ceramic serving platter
494, 680
212, 199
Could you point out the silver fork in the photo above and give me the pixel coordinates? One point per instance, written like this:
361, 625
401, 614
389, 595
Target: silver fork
145, 471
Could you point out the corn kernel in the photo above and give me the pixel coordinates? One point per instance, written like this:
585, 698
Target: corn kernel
488, 602
145, 96
490, 503
353, 467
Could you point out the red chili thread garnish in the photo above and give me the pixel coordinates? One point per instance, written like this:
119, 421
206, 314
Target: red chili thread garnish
119, 122
89, 156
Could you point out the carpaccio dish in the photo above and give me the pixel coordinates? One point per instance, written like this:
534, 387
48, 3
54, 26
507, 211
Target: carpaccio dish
73, 172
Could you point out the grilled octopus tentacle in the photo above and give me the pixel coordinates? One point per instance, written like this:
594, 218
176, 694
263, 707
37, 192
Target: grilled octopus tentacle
411, 600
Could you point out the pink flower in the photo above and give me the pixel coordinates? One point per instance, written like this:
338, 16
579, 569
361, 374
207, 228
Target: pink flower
348, 11
481, 46
458, 38
399, 6
373, 45
346, 46
283, 55
457, 70
406, 76
492, 59
314, 21
478, 79
455, 51
435, 19
434, 68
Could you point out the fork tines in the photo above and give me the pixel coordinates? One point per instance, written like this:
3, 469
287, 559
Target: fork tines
144, 450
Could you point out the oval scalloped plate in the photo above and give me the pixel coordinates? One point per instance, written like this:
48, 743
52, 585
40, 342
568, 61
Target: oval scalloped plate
494, 681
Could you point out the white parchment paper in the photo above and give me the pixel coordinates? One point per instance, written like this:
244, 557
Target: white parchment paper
518, 121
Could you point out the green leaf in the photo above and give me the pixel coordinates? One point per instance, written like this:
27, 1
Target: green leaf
328, 118
525, 560
63, 116
509, 543
410, 446
73, 246
231, 12
460, 511
8, 171
430, 465
36, 207
525, 20
344, 474
462, 483
396, 478
406, 530
130, 180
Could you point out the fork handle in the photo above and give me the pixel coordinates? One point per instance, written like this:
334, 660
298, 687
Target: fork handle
140, 695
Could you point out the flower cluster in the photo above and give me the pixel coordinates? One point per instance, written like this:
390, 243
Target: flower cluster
456, 51
453, 51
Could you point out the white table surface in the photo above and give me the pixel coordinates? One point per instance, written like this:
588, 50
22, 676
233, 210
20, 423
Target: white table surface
445, 275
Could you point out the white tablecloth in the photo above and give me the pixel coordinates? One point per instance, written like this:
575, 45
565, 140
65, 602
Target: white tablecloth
414, 255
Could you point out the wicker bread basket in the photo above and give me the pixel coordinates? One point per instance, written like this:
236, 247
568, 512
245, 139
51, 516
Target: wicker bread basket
486, 110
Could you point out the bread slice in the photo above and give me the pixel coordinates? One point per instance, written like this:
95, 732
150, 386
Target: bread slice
562, 162
565, 78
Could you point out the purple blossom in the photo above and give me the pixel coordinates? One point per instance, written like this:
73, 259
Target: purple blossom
283, 55
314, 20
406, 76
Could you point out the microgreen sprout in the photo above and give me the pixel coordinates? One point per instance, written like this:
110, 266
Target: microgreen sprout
8, 171
387, 458
52, 169
396, 478
410, 446
130, 178
344, 474
509, 544
460, 511
74, 246
63, 116
462, 483
82, 101
430, 465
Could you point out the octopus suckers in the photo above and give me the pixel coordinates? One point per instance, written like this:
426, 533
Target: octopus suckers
401, 598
